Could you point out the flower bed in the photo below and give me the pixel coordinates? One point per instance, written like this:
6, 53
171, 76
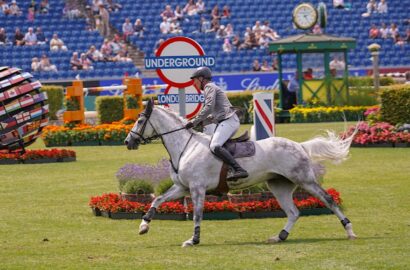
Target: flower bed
113, 203
326, 114
106, 134
378, 134
38, 156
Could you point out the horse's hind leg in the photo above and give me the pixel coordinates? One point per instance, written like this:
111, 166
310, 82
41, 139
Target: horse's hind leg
316, 190
173, 193
283, 189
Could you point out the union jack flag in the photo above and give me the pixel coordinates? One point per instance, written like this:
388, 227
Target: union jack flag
21, 117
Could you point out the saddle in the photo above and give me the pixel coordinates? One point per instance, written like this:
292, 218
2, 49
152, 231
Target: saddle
238, 147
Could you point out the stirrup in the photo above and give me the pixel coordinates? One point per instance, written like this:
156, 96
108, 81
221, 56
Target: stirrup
235, 175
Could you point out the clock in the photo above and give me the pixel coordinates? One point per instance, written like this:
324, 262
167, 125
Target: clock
305, 16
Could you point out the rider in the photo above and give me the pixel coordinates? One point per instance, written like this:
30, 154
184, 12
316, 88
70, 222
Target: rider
218, 107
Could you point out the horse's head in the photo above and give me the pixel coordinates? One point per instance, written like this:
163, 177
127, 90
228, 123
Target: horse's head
142, 132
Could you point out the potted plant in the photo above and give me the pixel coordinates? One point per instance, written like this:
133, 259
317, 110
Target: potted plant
137, 191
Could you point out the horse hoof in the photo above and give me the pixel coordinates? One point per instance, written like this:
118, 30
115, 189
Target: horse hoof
352, 237
188, 243
143, 228
274, 240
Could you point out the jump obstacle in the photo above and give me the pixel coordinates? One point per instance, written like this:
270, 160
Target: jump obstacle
131, 86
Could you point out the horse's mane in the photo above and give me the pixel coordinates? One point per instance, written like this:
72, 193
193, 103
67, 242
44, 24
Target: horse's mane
171, 113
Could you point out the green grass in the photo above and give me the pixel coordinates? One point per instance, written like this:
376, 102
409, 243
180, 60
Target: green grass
43, 202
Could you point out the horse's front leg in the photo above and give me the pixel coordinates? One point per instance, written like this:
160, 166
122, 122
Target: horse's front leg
175, 192
198, 198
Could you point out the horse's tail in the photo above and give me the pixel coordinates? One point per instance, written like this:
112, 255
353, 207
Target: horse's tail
331, 147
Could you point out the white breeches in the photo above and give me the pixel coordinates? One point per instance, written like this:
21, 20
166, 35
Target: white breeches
224, 130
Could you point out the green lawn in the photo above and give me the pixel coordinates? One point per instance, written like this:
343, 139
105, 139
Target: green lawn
45, 222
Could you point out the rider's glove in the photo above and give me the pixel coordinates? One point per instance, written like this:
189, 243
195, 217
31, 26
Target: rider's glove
189, 125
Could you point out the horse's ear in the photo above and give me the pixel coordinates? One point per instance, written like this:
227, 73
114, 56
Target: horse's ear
149, 106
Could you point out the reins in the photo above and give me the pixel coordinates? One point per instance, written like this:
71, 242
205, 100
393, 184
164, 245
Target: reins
147, 140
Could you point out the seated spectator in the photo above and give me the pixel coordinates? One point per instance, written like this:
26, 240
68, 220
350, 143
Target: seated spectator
45, 64
200, 7
41, 38
14, 9
339, 4
121, 57
226, 12
393, 30
35, 65
18, 38
337, 65
308, 74
317, 30
94, 55
275, 64
71, 10
4, 8
31, 14
165, 26
229, 30
179, 13
382, 6
95, 6
57, 44
115, 45
214, 25
34, 6
384, 31
257, 28
227, 46
190, 8
112, 6
30, 37
247, 33
265, 66
90, 19
85, 62
205, 25
139, 28
398, 39
215, 13
44, 6
221, 33
168, 13
158, 44
127, 29
236, 42
3, 37
263, 41
106, 50
256, 66
175, 27
374, 32
371, 7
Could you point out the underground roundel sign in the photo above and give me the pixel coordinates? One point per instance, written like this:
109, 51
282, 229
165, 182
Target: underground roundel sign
176, 59
193, 99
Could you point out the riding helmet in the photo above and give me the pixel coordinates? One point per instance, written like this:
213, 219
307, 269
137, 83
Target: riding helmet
202, 72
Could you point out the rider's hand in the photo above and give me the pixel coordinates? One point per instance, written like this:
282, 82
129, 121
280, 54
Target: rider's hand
189, 125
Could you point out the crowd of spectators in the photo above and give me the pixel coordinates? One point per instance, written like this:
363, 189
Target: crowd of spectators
391, 32
43, 65
373, 7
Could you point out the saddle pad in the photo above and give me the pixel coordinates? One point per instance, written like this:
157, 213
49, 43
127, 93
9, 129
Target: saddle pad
241, 149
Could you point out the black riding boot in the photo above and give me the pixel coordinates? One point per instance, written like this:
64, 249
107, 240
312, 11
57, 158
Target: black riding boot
226, 157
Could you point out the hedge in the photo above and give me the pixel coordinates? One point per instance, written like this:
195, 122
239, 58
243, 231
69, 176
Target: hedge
368, 81
109, 109
395, 107
55, 95
327, 114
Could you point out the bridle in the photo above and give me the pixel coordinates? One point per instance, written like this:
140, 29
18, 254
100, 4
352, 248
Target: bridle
147, 140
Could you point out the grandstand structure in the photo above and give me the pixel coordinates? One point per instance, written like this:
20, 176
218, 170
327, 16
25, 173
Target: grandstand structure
244, 13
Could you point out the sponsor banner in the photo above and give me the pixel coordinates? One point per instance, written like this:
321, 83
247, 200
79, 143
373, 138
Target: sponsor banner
229, 82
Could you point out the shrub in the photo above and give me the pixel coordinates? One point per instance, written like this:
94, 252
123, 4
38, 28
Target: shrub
396, 104
138, 187
163, 186
326, 114
55, 95
110, 109
368, 81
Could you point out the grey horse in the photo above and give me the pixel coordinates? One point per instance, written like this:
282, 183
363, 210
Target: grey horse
281, 163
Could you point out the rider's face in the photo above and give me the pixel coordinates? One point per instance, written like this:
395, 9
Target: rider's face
197, 83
